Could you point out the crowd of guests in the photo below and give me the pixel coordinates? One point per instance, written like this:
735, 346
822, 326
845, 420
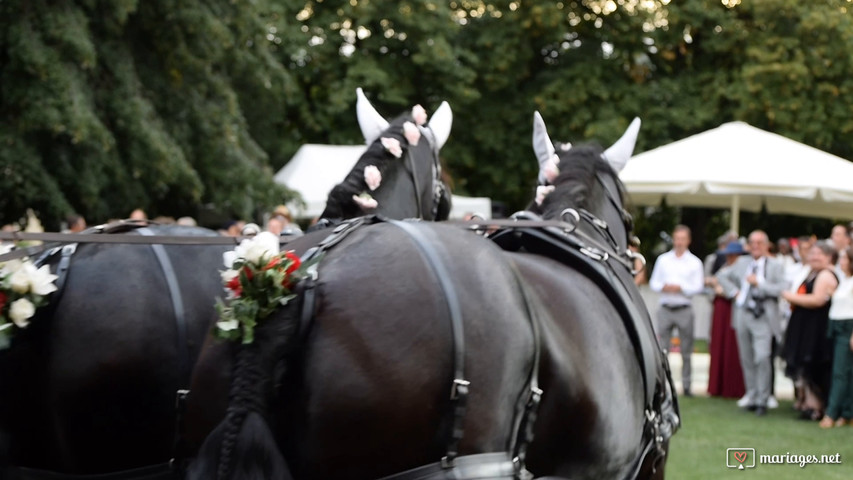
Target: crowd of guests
279, 221
792, 300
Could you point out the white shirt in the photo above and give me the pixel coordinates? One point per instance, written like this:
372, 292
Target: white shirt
685, 271
842, 300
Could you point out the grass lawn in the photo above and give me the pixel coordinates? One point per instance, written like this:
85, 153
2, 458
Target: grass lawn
711, 425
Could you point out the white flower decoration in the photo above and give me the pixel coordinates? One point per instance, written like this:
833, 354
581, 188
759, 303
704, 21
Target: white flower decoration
259, 247
366, 202
372, 177
228, 325
20, 312
229, 257
542, 192
393, 146
19, 281
41, 281
551, 169
11, 267
411, 132
228, 275
419, 115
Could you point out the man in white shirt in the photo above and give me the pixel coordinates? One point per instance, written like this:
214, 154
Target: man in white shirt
677, 276
755, 283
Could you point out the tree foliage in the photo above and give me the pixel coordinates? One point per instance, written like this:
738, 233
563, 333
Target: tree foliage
112, 105
169, 105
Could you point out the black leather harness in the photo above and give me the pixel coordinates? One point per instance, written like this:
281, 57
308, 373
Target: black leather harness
580, 251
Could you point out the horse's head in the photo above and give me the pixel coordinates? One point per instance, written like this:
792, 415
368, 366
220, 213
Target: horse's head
584, 178
399, 175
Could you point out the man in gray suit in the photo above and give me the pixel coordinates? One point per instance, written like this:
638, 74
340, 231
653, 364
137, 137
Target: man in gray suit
755, 282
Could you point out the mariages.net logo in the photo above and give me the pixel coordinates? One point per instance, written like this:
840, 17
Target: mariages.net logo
743, 458
740, 458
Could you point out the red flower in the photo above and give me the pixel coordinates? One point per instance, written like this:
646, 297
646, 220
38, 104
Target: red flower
296, 262
2, 301
234, 286
272, 263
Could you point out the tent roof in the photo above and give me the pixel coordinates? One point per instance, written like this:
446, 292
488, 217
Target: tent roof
315, 169
735, 159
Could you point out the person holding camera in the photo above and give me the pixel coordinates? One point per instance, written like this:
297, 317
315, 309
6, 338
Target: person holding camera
755, 282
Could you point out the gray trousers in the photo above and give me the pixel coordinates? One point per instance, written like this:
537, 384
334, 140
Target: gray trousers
755, 343
682, 319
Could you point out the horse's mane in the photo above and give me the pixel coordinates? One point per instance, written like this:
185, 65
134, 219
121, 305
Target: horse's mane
339, 203
577, 183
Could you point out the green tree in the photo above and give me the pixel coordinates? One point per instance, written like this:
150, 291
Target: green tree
109, 106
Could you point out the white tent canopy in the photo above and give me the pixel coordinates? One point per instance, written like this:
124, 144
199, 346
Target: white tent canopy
316, 169
738, 166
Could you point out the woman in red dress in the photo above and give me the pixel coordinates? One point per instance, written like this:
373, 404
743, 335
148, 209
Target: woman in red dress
725, 377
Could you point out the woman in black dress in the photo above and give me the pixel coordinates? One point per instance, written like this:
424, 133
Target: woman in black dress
807, 350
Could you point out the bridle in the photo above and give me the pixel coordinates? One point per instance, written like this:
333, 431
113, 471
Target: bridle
437, 186
610, 248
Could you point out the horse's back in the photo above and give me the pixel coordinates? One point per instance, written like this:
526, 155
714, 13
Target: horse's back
373, 375
107, 356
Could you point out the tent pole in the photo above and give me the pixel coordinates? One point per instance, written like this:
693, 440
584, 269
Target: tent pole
735, 216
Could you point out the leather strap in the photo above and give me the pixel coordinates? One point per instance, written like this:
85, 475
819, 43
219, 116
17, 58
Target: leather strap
494, 466
183, 349
161, 471
459, 387
523, 434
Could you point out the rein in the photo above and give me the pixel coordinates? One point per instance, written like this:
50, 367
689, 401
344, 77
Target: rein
102, 238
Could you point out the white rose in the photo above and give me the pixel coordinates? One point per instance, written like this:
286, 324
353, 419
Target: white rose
228, 258
41, 281
227, 325
20, 312
372, 177
261, 246
19, 282
10, 267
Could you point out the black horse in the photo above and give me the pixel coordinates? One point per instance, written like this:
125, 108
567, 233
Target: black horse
89, 387
400, 175
354, 381
603, 372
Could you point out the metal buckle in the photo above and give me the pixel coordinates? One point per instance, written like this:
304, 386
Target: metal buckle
636, 255
459, 388
595, 253
574, 219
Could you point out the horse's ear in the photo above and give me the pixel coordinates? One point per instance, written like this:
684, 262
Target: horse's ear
542, 145
440, 124
620, 152
371, 122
